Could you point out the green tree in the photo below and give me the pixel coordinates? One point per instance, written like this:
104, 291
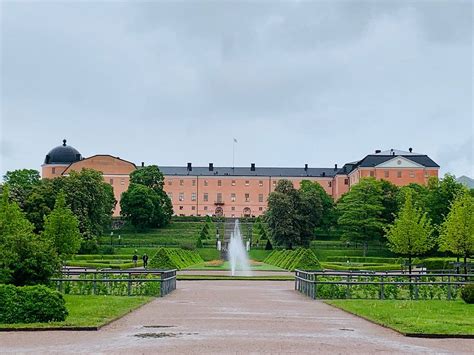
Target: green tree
361, 212
20, 183
62, 229
411, 232
92, 201
138, 205
25, 258
390, 193
320, 203
152, 178
457, 231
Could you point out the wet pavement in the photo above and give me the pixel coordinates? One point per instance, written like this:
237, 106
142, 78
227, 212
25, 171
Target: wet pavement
232, 317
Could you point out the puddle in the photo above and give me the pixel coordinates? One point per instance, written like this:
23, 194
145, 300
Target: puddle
161, 335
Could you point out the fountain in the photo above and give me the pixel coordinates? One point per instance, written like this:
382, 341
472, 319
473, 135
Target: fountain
237, 254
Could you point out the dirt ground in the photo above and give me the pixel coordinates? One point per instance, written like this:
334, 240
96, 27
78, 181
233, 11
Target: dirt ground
232, 317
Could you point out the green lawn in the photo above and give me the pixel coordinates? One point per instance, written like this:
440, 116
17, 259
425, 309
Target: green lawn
419, 317
90, 311
226, 266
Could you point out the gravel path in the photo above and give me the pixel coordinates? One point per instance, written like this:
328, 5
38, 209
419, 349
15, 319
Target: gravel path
232, 317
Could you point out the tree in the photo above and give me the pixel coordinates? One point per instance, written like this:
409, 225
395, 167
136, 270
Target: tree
457, 231
25, 258
361, 212
92, 201
280, 219
411, 232
20, 183
138, 205
390, 193
151, 178
62, 229
321, 204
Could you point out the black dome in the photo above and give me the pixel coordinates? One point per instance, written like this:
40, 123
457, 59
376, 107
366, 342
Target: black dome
62, 154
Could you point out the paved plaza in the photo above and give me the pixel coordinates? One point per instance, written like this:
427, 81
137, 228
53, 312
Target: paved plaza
232, 317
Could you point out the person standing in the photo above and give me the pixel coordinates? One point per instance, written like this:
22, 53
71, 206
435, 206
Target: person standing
145, 260
135, 259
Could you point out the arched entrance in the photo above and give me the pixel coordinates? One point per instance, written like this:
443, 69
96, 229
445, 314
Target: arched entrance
219, 211
247, 212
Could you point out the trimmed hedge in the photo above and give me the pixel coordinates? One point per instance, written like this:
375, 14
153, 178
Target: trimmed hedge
467, 293
303, 259
31, 304
361, 259
174, 258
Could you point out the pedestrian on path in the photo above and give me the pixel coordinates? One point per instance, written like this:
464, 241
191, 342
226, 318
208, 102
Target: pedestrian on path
135, 259
145, 260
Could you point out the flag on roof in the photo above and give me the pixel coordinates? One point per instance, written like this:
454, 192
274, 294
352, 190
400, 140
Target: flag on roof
235, 140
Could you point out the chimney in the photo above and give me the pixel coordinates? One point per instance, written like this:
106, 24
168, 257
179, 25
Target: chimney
335, 166
143, 164
190, 167
306, 167
323, 174
410, 150
211, 166
378, 151
252, 167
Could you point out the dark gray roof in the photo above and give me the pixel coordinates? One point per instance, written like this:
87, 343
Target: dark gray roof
374, 160
245, 171
63, 154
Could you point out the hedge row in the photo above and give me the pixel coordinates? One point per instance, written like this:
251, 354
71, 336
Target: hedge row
101, 256
361, 259
31, 304
174, 258
303, 259
99, 265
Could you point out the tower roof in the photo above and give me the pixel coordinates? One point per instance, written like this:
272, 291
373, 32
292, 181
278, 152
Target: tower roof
62, 154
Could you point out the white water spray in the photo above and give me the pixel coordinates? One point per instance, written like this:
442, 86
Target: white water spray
237, 254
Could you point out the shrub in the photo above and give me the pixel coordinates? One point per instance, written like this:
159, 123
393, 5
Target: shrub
173, 258
301, 258
467, 293
31, 304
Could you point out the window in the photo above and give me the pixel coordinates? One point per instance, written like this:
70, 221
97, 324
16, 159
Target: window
219, 182
181, 208
205, 208
330, 183
247, 197
170, 195
170, 182
232, 208
206, 197
346, 181
412, 174
232, 197
387, 173
181, 182
181, 196
193, 208
193, 196
122, 181
372, 174
274, 183
219, 197
399, 174
53, 170
111, 181
194, 182
233, 182
260, 183
260, 208
206, 183
260, 197
233, 215
247, 183
427, 175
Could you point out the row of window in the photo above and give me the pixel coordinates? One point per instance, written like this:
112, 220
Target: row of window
399, 174
205, 197
206, 208
219, 182
122, 181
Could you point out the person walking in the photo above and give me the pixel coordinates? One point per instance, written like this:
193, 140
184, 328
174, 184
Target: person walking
135, 259
145, 260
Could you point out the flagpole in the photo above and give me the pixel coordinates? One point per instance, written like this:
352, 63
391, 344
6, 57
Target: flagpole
233, 154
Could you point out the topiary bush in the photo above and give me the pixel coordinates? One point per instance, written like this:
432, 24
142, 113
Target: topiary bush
174, 258
467, 293
31, 304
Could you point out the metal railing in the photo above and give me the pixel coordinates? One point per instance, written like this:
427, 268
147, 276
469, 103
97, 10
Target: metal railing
116, 282
381, 285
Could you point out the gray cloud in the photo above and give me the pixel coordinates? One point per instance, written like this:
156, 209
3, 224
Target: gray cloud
295, 82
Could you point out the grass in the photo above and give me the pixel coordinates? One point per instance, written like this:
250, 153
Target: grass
360, 266
259, 254
415, 317
89, 311
213, 265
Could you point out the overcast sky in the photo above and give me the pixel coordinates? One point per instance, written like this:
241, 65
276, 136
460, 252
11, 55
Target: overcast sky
296, 82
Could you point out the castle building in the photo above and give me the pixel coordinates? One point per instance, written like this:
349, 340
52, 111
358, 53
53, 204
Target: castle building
242, 191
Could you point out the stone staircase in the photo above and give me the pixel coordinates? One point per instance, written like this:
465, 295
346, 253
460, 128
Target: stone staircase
245, 229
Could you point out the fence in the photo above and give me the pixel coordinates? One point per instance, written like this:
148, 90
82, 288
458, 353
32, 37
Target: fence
387, 285
116, 282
